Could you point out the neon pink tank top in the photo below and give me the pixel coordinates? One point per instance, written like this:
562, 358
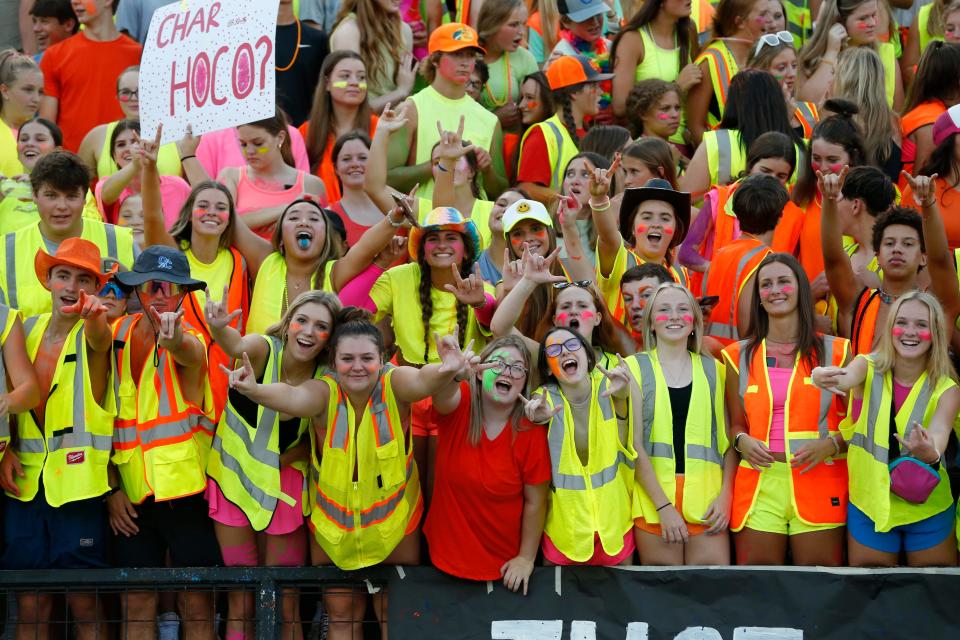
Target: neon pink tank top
250, 197
779, 389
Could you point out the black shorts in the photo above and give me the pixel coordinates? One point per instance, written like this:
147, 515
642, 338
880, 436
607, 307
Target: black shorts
38, 536
181, 526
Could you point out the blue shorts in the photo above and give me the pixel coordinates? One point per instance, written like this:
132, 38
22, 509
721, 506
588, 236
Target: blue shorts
38, 536
918, 536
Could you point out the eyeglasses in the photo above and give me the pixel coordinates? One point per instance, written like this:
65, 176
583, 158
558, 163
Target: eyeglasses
515, 370
168, 289
583, 284
571, 345
773, 39
126, 95
109, 288
474, 84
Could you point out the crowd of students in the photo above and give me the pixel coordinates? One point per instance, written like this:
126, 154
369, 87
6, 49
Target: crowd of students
517, 284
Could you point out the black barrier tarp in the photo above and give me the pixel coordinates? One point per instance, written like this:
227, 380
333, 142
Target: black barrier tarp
687, 604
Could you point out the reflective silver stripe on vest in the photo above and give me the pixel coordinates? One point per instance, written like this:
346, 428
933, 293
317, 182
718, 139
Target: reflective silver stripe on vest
11, 252
29, 324
696, 451
5, 420
826, 397
121, 336
378, 412
266, 502
744, 373
382, 511
78, 437
111, 232
724, 153
164, 431
869, 442
557, 169
556, 437
730, 331
31, 445
123, 435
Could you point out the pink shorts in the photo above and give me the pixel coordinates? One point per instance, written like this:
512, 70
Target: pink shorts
286, 519
600, 557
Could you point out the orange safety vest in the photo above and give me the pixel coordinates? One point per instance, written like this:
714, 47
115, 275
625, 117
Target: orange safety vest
810, 247
238, 297
808, 115
922, 115
729, 271
161, 440
721, 67
863, 327
786, 237
680, 276
810, 414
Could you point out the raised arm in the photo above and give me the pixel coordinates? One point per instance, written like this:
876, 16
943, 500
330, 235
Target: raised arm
449, 152
375, 177
605, 217
579, 267
400, 174
185, 348
371, 244
494, 172
410, 384
111, 188
304, 400
253, 248
233, 344
154, 225
193, 171
836, 263
815, 87
536, 273
943, 277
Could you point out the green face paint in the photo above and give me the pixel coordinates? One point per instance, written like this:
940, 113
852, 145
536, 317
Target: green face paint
489, 380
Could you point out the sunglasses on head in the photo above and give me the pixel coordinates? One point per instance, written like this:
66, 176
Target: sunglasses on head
571, 345
109, 288
168, 289
583, 284
773, 39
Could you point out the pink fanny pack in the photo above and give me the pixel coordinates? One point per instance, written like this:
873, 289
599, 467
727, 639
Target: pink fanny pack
912, 479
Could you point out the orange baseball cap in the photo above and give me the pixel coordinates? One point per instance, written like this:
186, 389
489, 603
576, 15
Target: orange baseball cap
454, 36
567, 71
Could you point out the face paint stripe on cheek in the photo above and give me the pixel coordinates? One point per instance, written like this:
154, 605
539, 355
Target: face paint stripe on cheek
898, 331
661, 318
687, 318
925, 335
787, 289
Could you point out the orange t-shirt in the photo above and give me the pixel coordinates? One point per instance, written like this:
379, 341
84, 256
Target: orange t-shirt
473, 525
82, 74
325, 170
949, 200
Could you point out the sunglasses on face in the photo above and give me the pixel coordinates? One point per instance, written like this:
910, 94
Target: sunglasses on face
773, 39
515, 370
583, 284
112, 288
571, 345
168, 289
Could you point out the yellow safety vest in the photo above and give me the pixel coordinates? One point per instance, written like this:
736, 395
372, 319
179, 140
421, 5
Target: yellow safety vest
403, 304
868, 455
591, 499
799, 22
9, 161
21, 288
269, 299
432, 107
560, 147
706, 435
359, 522
245, 459
727, 159
923, 25
161, 440
888, 56
168, 158
7, 318
72, 450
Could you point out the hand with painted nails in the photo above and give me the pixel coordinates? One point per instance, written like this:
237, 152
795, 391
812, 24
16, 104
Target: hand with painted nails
536, 268
568, 208
924, 189
243, 378
169, 327
468, 290
537, 410
87, 306
216, 314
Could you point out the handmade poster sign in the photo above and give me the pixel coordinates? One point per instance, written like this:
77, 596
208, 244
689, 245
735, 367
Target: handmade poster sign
208, 64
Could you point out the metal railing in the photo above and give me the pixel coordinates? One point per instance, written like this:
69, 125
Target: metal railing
266, 584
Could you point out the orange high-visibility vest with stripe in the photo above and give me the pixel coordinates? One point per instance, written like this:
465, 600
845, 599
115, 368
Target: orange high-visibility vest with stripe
161, 440
730, 269
721, 67
810, 414
863, 326
924, 114
808, 115
238, 297
359, 522
680, 276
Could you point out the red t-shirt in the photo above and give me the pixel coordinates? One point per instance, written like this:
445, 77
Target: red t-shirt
82, 74
534, 162
473, 525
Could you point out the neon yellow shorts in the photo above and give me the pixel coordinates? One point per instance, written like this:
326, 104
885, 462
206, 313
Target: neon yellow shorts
773, 510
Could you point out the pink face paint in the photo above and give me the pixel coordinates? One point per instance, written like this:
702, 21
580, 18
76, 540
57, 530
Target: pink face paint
661, 318
786, 289
562, 319
200, 211
295, 326
323, 335
587, 315
533, 104
90, 7
687, 318
663, 116
862, 24
640, 229
668, 231
835, 168
764, 293
898, 331
925, 335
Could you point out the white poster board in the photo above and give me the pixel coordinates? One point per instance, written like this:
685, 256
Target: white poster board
208, 64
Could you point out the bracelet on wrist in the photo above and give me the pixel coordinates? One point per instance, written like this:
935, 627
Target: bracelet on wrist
602, 206
441, 167
736, 441
664, 506
396, 224
187, 157
836, 444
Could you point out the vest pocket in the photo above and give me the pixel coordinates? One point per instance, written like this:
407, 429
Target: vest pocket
391, 466
176, 470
